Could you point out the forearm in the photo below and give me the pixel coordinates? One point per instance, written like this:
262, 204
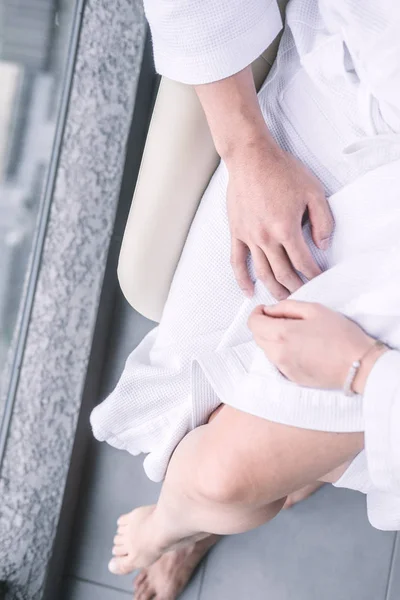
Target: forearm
234, 116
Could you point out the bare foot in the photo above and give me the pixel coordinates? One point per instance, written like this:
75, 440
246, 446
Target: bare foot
135, 545
168, 577
302, 494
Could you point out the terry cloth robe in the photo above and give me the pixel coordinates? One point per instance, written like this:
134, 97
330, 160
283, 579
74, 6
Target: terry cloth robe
333, 100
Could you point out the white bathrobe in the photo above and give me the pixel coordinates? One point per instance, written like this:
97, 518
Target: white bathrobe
333, 100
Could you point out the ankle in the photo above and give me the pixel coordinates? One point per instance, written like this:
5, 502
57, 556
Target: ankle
167, 538
162, 536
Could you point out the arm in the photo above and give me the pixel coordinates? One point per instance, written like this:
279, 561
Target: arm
211, 45
268, 192
294, 337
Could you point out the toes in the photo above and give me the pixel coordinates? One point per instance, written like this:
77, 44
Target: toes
139, 579
120, 566
119, 551
123, 520
119, 540
145, 592
143, 587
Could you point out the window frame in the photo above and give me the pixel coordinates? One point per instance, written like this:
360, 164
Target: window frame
26, 303
42, 437
83, 440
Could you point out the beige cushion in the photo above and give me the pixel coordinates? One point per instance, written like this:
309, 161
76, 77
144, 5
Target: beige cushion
178, 161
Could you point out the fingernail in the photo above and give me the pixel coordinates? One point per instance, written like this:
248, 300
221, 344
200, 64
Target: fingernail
113, 567
247, 292
324, 244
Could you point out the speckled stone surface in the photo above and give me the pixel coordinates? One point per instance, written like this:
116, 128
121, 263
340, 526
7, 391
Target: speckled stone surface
65, 308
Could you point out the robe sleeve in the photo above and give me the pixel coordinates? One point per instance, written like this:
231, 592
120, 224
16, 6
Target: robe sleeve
201, 41
382, 423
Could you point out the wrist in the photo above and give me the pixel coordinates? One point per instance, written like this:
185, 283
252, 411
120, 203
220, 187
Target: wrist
366, 367
248, 143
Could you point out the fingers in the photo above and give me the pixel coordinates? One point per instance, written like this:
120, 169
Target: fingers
292, 309
265, 274
275, 265
265, 328
301, 257
268, 322
239, 255
257, 323
322, 222
282, 268
256, 319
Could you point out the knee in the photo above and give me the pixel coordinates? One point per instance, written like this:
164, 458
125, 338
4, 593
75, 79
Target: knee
232, 468
219, 481
218, 488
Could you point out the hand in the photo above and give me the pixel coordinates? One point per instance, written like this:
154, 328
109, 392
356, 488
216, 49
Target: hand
268, 194
313, 345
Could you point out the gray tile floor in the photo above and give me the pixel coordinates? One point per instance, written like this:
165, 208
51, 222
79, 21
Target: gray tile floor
322, 549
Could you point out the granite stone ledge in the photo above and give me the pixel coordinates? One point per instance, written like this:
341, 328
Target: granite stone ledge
59, 339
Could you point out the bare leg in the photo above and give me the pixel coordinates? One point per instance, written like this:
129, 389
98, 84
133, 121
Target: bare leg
170, 574
227, 477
